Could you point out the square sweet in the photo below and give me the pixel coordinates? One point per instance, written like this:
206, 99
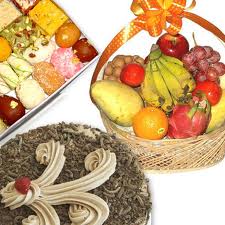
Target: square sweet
25, 5
8, 13
21, 34
48, 16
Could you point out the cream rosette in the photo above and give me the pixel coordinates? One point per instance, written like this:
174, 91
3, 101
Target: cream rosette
31, 220
13, 199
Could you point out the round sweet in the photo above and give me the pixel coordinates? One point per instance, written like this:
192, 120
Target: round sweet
66, 62
5, 49
41, 51
67, 35
11, 109
48, 77
125, 192
84, 50
30, 93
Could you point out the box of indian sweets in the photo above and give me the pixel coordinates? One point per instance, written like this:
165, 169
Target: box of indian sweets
42, 51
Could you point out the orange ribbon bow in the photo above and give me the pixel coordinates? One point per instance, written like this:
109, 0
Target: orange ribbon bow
155, 16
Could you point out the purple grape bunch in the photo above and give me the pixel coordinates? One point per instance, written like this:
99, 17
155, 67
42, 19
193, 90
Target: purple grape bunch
204, 63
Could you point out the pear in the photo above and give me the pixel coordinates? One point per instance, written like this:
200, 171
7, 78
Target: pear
118, 101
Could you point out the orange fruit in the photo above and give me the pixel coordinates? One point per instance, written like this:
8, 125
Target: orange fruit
150, 123
5, 49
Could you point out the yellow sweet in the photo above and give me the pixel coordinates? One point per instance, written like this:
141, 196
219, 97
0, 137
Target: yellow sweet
48, 16
5, 49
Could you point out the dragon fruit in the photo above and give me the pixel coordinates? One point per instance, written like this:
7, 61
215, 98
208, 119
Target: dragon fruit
189, 120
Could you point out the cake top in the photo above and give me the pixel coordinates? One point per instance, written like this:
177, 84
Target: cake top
41, 194
122, 196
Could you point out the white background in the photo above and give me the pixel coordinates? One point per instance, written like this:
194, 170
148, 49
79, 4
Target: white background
191, 198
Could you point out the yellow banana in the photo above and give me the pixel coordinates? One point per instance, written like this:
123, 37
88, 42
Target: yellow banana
183, 76
179, 71
148, 89
171, 81
172, 59
167, 106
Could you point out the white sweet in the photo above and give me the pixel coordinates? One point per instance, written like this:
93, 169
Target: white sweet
4, 88
30, 93
39, 52
20, 65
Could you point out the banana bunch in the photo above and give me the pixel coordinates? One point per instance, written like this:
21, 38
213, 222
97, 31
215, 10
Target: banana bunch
166, 81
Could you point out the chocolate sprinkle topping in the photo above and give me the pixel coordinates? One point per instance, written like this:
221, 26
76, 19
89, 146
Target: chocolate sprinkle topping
125, 192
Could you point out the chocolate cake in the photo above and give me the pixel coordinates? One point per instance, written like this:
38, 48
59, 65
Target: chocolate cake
71, 174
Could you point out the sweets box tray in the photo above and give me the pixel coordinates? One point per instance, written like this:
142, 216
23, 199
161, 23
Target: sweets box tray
30, 113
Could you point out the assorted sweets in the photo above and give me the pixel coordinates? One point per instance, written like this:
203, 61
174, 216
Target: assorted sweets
40, 49
75, 175
174, 93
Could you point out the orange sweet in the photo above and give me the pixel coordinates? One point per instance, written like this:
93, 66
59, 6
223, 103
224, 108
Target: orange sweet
5, 49
67, 35
48, 77
150, 123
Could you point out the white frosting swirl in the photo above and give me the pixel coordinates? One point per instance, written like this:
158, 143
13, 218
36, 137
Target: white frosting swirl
51, 154
94, 210
94, 159
106, 165
13, 199
78, 214
31, 220
45, 212
43, 154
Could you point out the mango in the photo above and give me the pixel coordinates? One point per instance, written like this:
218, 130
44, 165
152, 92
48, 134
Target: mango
217, 114
118, 101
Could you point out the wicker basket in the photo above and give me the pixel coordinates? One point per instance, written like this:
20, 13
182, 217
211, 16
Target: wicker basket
171, 155
167, 155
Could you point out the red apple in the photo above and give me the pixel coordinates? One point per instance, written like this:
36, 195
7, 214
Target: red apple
175, 46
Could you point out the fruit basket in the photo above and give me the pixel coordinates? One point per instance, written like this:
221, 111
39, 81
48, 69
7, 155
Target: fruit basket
179, 128
42, 51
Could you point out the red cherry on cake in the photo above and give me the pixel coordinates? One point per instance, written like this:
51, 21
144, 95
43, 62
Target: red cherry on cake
22, 185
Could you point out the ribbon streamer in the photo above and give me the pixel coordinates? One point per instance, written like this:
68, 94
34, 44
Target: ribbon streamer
155, 16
